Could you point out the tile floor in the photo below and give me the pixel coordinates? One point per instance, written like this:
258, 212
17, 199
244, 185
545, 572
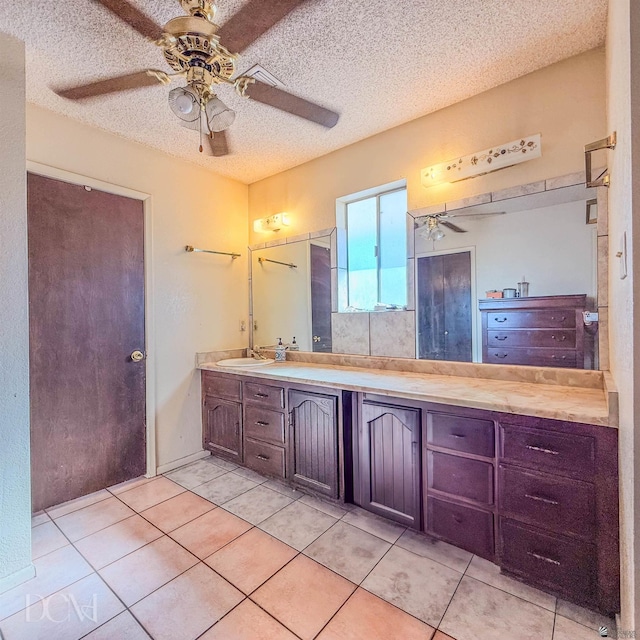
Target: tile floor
216, 552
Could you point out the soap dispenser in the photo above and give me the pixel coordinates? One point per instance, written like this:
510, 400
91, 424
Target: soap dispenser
281, 351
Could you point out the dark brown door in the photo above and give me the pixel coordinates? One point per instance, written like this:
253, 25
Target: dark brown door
390, 462
86, 315
314, 437
444, 307
321, 298
223, 428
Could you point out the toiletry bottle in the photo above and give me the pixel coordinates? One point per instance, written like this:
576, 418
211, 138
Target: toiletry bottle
281, 351
294, 346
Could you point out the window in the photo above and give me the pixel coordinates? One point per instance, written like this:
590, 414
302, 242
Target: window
377, 250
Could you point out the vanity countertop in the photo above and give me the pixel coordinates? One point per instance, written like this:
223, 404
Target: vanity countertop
570, 403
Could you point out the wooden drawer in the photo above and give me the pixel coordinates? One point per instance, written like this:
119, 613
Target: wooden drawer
549, 502
535, 319
548, 450
553, 338
264, 394
462, 477
468, 435
466, 527
264, 458
219, 386
548, 560
532, 357
264, 424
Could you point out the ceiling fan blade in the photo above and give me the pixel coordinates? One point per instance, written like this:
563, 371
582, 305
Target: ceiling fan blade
219, 144
284, 101
452, 226
112, 85
133, 17
254, 18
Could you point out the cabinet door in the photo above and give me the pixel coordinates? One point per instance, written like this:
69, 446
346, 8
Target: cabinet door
222, 421
389, 462
314, 437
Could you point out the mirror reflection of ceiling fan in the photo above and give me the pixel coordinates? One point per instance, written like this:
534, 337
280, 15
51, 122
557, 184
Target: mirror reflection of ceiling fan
205, 55
431, 225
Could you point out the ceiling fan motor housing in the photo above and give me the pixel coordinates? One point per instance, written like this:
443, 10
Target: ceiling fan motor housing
192, 43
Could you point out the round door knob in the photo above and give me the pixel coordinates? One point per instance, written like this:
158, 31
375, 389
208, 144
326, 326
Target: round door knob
136, 356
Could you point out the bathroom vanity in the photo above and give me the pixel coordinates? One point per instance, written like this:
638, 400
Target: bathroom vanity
521, 473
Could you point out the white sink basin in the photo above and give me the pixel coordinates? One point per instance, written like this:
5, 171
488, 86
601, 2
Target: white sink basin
244, 363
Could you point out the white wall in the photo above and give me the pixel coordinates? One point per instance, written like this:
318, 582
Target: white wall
15, 480
553, 247
623, 112
198, 299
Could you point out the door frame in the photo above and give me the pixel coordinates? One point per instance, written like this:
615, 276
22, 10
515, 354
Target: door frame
476, 319
149, 320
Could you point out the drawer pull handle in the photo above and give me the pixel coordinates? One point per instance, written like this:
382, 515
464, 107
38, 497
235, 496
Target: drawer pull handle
261, 457
555, 503
457, 435
550, 452
553, 357
500, 355
500, 319
501, 338
561, 338
457, 519
261, 395
262, 423
537, 556
561, 319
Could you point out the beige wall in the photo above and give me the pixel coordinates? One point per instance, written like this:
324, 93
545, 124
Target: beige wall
198, 299
15, 480
564, 102
623, 84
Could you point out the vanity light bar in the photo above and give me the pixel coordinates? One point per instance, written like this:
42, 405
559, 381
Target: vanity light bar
482, 162
272, 223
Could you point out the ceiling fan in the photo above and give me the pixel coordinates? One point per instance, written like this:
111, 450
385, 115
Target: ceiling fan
431, 224
200, 51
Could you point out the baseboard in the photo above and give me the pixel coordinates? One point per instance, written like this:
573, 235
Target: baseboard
16, 578
170, 466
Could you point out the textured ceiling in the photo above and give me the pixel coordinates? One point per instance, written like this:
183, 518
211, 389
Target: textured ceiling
378, 63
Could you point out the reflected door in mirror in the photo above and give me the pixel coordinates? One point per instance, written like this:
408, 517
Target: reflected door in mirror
444, 307
321, 298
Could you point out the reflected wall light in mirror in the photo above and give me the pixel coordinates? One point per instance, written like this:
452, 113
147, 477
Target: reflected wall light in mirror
272, 223
592, 211
481, 162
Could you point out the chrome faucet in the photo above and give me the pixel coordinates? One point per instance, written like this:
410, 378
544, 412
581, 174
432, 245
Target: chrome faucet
257, 354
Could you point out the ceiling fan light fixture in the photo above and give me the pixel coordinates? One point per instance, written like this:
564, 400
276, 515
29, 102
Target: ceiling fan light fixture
185, 104
219, 115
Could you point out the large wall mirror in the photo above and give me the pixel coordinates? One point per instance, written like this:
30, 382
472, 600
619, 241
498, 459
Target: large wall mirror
503, 282
291, 294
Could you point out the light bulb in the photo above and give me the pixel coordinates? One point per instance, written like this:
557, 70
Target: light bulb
184, 103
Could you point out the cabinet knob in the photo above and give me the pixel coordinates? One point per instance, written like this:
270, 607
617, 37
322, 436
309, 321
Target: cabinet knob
262, 423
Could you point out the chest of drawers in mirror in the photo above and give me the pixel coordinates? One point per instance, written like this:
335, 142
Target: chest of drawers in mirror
543, 331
